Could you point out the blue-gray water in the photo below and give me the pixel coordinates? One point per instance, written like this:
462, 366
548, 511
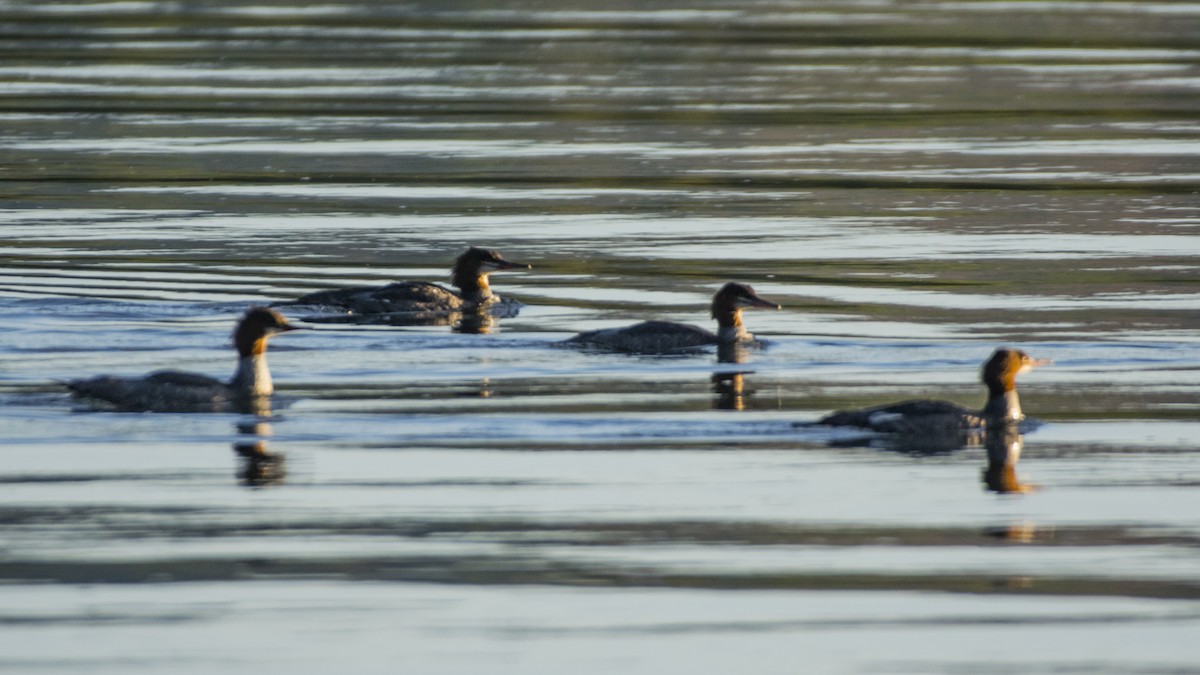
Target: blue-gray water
916, 183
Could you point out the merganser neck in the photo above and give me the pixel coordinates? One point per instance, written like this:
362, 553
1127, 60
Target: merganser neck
252, 377
1003, 406
473, 287
729, 325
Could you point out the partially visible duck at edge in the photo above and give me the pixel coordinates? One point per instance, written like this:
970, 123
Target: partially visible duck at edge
178, 391
663, 337
469, 275
999, 374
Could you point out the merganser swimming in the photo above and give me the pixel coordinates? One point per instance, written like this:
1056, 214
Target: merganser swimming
928, 417
662, 337
177, 391
469, 275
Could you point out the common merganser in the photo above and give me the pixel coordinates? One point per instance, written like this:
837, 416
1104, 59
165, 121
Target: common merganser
663, 337
469, 275
930, 417
177, 391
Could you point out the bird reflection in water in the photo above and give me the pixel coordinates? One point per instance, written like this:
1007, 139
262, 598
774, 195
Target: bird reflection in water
473, 323
1002, 440
737, 352
730, 389
258, 406
484, 390
258, 467
1004, 443
924, 443
1020, 533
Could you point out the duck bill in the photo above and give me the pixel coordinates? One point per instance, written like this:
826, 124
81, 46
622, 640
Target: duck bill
1033, 363
759, 302
501, 265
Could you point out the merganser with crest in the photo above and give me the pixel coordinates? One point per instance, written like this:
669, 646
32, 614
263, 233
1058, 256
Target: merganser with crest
177, 391
999, 373
469, 275
662, 337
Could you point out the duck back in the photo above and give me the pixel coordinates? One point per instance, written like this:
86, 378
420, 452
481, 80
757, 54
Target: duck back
164, 390
906, 417
402, 296
648, 337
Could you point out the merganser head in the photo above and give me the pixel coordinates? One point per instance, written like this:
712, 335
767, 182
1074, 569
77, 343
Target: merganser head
734, 296
1000, 372
472, 267
258, 324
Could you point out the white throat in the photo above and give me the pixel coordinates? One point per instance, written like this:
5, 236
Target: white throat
1004, 407
735, 333
252, 377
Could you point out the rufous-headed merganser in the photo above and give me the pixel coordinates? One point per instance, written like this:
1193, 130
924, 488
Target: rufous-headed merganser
918, 417
177, 391
469, 275
664, 337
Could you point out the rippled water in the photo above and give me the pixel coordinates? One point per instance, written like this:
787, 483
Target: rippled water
916, 183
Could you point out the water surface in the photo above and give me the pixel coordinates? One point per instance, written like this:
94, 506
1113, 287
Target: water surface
916, 183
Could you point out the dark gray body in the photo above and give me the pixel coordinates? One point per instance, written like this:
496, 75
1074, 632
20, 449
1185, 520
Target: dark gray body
648, 337
908, 417
418, 298
161, 391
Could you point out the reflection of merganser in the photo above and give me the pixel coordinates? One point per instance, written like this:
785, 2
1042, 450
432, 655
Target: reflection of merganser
176, 391
731, 391
660, 337
1004, 443
469, 275
917, 417
259, 467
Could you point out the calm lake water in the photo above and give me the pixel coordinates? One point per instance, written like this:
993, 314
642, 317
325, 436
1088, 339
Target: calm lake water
916, 183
